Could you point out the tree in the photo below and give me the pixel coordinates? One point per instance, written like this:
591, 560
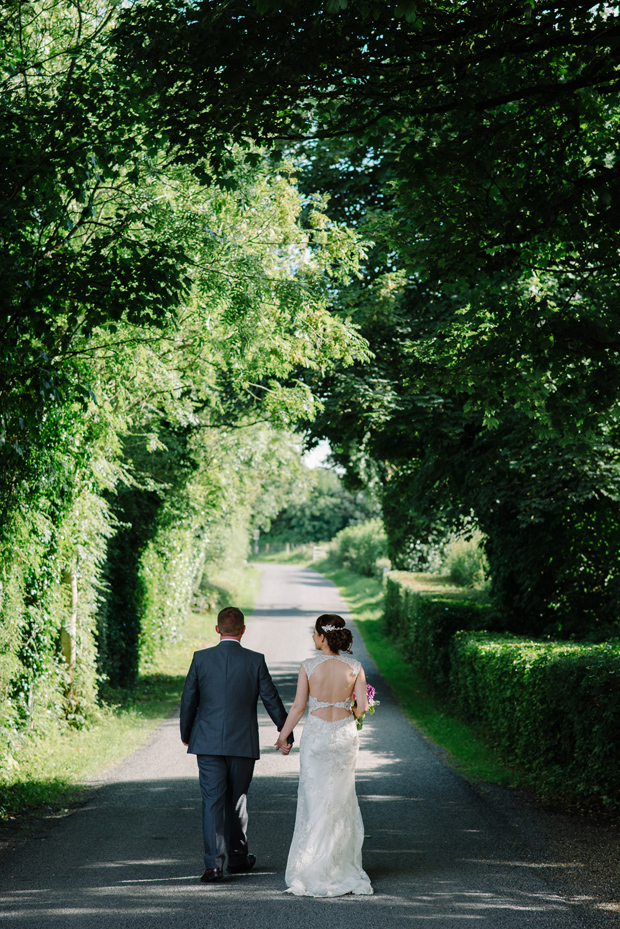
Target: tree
321, 509
152, 323
474, 142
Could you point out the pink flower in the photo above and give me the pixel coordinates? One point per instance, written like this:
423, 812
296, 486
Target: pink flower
372, 703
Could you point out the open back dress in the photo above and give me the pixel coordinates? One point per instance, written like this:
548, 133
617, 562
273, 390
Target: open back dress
325, 858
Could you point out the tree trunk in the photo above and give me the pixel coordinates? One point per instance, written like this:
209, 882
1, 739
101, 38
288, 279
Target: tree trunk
68, 633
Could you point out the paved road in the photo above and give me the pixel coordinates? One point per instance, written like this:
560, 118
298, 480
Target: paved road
438, 854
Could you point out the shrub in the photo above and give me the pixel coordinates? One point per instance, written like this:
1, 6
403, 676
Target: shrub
465, 561
359, 548
426, 620
553, 707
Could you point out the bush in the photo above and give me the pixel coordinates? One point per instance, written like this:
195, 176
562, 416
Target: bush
465, 561
324, 510
425, 621
552, 707
559, 574
359, 548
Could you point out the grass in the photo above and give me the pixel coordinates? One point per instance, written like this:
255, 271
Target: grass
468, 752
53, 771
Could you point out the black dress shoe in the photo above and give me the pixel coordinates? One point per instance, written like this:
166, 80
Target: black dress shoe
212, 876
242, 868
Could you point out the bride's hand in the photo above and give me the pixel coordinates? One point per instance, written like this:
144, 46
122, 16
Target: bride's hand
283, 746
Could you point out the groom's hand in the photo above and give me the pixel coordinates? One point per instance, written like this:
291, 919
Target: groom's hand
283, 746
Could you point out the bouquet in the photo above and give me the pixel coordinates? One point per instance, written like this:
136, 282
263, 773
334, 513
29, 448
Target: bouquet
372, 703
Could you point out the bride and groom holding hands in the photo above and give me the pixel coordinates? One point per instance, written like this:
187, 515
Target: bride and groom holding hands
219, 725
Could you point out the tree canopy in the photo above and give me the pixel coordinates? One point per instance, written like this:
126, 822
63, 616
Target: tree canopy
392, 224
474, 144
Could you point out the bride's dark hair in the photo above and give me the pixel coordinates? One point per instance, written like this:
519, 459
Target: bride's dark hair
339, 639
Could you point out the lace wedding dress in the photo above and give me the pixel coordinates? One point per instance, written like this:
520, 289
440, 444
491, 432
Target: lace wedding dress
325, 859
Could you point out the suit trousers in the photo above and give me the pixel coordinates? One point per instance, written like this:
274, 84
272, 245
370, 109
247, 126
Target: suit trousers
224, 784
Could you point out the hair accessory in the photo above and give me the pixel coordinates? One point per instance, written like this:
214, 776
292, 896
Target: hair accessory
331, 628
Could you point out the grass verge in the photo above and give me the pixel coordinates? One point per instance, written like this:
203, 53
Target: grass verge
52, 771
468, 752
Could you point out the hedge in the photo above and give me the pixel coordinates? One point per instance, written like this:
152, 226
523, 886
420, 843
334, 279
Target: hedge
551, 707
424, 615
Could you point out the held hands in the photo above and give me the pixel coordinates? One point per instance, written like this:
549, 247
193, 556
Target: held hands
283, 746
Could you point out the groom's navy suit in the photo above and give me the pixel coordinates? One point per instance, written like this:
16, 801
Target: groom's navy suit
219, 721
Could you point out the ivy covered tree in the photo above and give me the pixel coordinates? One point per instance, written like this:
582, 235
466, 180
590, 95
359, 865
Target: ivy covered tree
154, 317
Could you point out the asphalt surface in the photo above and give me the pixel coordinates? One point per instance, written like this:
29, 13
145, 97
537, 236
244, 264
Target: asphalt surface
439, 854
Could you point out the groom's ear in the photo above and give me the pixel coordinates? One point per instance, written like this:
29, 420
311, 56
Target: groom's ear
217, 629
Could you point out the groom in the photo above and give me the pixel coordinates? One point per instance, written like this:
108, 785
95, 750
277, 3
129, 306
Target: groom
220, 726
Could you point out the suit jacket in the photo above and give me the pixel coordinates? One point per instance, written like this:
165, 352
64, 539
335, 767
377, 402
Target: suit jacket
218, 706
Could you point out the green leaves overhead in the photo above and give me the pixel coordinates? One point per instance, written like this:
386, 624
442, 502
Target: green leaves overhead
475, 145
475, 142
108, 239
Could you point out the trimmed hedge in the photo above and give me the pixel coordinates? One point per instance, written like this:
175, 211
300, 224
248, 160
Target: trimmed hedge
552, 707
425, 621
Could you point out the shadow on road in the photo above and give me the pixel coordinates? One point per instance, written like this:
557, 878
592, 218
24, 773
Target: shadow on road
131, 858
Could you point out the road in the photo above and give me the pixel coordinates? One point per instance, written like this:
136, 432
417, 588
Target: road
438, 853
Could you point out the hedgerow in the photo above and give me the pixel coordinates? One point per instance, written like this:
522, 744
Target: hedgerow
424, 621
551, 707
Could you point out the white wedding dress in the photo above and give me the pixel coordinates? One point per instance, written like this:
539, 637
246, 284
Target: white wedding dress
325, 859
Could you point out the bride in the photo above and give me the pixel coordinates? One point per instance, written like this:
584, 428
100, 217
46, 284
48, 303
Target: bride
325, 859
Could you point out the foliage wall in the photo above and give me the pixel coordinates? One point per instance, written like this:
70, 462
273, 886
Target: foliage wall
154, 312
551, 707
548, 707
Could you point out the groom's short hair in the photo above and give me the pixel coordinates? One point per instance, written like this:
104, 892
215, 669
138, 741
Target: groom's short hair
230, 620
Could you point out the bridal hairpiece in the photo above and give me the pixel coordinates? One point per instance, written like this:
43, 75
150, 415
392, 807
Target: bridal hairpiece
331, 628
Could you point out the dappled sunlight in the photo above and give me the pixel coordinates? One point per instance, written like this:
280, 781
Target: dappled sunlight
191, 878
127, 864
522, 864
418, 876
373, 761
435, 853
386, 798
133, 901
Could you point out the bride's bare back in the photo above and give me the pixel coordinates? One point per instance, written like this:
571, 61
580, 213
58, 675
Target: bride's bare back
332, 679
327, 681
